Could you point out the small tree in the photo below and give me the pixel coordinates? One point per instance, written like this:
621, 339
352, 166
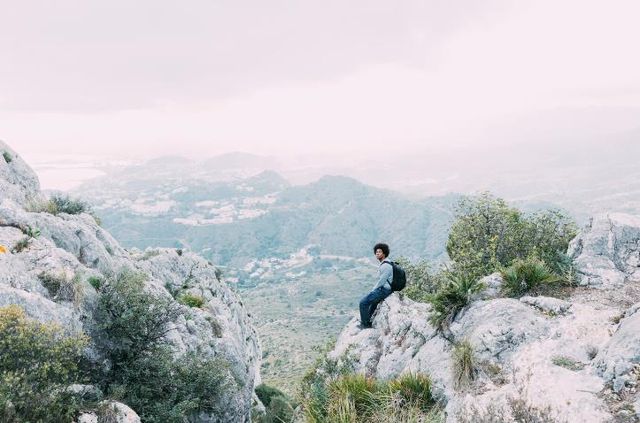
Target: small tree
488, 235
131, 320
132, 324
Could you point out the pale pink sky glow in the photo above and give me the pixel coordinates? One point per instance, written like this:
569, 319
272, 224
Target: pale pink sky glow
202, 78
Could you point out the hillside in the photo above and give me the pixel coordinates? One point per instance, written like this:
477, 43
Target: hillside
232, 222
141, 315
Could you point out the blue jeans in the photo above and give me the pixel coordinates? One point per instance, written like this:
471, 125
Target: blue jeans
369, 303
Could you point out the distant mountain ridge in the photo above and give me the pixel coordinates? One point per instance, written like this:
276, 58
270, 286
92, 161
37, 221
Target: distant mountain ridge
234, 221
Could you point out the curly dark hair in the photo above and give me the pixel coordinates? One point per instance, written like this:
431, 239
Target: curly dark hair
383, 247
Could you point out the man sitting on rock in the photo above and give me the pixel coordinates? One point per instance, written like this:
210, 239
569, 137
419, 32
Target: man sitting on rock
381, 290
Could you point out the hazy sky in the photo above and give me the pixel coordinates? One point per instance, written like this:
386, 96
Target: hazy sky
198, 77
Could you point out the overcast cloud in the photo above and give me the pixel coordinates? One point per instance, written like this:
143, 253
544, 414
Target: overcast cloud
206, 77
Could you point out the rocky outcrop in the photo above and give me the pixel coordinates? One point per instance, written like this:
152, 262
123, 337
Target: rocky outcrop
579, 355
17, 181
619, 360
70, 249
607, 252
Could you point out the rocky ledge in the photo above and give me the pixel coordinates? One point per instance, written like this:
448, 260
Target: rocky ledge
578, 356
74, 247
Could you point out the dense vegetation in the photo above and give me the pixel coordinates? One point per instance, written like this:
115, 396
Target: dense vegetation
143, 372
279, 407
487, 235
37, 363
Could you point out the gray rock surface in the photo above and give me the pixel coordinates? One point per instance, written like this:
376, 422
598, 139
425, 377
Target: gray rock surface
619, 360
72, 248
17, 181
607, 252
548, 305
560, 353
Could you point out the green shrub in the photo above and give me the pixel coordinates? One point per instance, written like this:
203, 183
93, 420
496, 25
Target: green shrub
414, 389
421, 279
527, 275
265, 393
21, 245
64, 204
279, 411
353, 398
452, 297
279, 408
331, 392
488, 235
352, 395
132, 325
165, 390
191, 300
314, 389
37, 362
7, 157
131, 320
464, 364
150, 253
96, 282
31, 232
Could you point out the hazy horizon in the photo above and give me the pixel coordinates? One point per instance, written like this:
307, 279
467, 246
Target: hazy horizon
364, 80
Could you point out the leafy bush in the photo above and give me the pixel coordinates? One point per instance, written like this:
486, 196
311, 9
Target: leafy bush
452, 297
7, 157
96, 282
143, 372
37, 362
464, 364
488, 235
163, 389
279, 408
526, 275
131, 320
191, 300
31, 232
421, 279
265, 393
64, 204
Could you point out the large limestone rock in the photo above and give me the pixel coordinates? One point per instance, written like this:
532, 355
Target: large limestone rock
516, 346
17, 181
579, 355
607, 252
619, 360
72, 248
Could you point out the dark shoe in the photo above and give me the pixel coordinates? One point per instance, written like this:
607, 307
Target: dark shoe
361, 326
